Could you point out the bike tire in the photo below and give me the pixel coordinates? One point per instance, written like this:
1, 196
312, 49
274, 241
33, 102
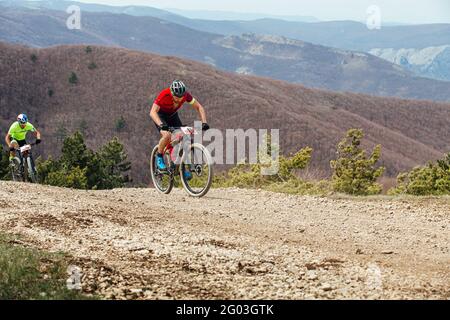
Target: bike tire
14, 175
209, 163
153, 173
15, 172
32, 174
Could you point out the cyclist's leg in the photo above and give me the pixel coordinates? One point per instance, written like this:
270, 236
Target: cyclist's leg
21, 143
171, 121
16, 144
175, 121
165, 135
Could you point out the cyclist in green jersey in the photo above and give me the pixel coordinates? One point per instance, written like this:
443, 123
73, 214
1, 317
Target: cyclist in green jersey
16, 136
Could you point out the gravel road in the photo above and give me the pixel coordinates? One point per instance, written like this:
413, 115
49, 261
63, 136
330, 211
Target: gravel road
238, 244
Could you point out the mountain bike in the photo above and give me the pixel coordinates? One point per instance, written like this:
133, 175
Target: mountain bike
22, 165
191, 161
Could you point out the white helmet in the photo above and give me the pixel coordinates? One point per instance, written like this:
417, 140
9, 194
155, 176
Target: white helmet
22, 118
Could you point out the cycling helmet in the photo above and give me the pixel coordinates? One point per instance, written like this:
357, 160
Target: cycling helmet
22, 118
178, 88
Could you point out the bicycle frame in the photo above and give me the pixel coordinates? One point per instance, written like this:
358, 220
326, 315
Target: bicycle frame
179, 137
23, 153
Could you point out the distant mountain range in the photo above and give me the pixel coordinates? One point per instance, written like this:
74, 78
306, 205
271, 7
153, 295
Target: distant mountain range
271, 56
122, 82
347, 35
432, 62
229, 15
62, 5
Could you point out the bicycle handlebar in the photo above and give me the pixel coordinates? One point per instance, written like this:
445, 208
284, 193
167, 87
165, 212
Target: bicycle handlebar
31, 144
173, 129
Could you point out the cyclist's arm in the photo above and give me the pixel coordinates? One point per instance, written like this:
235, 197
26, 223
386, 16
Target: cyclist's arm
154, 114
37, 134
201, 111
8, 139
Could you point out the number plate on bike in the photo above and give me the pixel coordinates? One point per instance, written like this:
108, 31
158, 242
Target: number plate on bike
25, 148
188, 130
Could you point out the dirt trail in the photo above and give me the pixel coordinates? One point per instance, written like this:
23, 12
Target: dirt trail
238, 244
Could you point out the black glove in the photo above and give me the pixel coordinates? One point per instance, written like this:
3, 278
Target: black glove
163, 127
205, 126
38, 141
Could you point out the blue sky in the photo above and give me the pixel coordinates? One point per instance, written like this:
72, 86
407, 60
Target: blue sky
405, 11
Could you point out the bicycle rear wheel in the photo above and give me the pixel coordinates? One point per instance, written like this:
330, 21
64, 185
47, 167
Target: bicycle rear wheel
196, 170
163, 181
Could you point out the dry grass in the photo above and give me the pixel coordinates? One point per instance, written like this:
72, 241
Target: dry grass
387, 183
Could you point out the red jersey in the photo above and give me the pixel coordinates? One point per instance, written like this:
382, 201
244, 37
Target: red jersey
167, 104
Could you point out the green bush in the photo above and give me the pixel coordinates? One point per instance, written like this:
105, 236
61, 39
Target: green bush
50, 92
81, 168
432, 179
353, 172
68, 178
33, 58
88, 49
73, 78
249, 175
286, 180
44, 168
92, 66
4, 163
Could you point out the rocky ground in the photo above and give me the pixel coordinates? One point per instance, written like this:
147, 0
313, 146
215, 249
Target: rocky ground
238, 244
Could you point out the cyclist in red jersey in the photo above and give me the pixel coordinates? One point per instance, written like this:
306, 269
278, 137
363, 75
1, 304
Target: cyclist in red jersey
164, 113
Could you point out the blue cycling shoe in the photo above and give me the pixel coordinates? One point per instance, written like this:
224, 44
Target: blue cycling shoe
160, 164
187, 175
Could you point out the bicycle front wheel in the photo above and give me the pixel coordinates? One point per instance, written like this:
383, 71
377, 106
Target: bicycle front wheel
196, 170
32, 175
163, 181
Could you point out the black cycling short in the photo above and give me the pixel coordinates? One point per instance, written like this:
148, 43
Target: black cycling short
20, 142
171, 120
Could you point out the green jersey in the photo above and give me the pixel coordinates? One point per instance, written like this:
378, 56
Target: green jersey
17, 133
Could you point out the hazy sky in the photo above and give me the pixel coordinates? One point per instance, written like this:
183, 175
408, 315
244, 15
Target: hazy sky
405, 11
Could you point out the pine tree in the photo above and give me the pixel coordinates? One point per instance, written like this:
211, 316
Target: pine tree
120, 124
354, 172
82, 168
73, 78
74, 152
114, 165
